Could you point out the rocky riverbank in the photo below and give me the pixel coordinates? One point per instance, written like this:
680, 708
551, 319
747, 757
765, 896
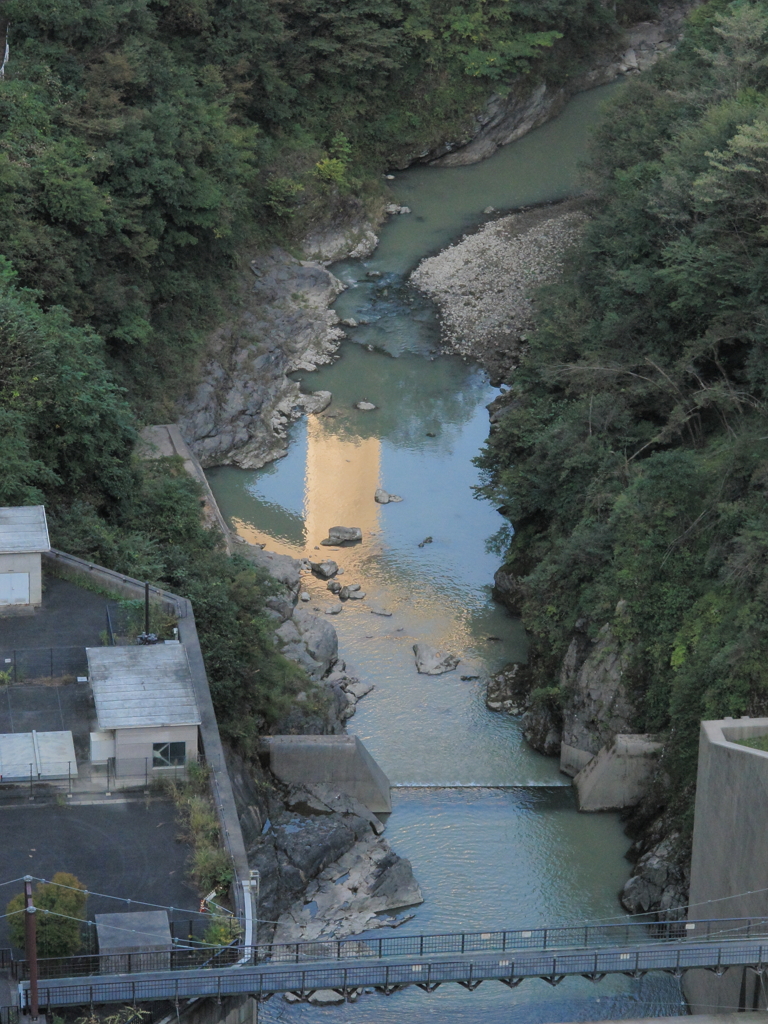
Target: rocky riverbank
587, 706
484, 285
510, 115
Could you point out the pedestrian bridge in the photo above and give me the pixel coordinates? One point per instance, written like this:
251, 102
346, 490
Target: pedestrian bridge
392, 962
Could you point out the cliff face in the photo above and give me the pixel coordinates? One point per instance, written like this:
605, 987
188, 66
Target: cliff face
241, 409
596, 705
508, 117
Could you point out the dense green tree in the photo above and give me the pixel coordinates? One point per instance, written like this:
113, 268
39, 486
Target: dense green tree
60, 912
632, 454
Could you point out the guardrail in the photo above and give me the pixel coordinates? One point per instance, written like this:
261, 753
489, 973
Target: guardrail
511, 968
583, 937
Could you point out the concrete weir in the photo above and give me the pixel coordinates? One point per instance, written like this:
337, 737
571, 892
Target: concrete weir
340, 760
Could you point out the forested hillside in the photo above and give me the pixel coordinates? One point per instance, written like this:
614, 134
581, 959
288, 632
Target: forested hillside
146, 148
632, 458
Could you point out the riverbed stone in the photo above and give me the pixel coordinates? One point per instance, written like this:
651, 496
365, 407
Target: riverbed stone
326, 569
317, 402
432, 662
334, 609
356, 595
365, 406
327, 997
343, 535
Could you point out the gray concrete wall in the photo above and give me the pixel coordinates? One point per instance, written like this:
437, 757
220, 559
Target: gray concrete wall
340, 760
729, 866
618, 775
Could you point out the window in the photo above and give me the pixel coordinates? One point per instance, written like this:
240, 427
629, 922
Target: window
168, 755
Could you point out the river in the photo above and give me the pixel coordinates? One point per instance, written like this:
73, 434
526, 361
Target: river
490, 826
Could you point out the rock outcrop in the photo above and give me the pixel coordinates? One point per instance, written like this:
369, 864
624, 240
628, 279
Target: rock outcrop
659, 882
507, 689
350, 895
596, 704
543, 729
240, 411
508, 117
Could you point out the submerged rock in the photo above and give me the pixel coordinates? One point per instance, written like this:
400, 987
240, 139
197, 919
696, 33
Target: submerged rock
383, 497
343, 535
365, 406
432, 662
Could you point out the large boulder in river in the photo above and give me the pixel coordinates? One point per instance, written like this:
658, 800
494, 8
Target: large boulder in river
383, 497
317, 401
431, 662
325, 570
343, 535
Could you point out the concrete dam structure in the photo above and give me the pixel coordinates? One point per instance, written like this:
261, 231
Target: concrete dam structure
729, 867
340, 760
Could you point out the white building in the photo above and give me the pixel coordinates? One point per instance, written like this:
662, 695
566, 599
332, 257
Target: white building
23, 538
145, 706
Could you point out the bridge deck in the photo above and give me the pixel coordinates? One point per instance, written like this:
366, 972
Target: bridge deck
391, 973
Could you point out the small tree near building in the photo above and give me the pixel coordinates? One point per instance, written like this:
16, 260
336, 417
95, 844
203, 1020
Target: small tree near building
60, 907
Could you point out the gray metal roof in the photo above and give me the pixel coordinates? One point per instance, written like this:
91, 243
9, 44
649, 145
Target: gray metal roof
141, 687
134, 932
23, 530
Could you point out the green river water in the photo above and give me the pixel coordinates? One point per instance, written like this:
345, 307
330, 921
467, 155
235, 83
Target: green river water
490, 826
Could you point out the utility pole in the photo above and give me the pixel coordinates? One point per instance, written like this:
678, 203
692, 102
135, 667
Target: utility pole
30, 936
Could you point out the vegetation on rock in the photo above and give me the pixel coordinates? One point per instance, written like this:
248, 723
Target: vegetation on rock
632, 454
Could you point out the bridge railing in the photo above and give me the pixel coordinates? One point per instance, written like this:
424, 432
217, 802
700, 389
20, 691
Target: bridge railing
629, 933
582, 937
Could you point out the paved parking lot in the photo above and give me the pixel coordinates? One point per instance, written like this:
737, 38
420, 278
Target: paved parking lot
122, 849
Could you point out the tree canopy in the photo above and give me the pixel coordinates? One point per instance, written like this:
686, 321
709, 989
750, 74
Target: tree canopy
632, 458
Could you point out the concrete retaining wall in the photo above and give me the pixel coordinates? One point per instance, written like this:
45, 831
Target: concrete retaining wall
729, 852
342, 761
618, 775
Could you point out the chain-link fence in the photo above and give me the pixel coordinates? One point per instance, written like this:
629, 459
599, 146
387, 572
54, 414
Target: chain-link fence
43, 665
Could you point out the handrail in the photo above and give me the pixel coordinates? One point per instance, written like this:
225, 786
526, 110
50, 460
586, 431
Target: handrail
581, 937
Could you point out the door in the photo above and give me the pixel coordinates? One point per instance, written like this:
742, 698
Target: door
14, 588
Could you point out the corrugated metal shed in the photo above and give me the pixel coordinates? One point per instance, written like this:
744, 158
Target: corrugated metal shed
23, 530
44, 755
142, 687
